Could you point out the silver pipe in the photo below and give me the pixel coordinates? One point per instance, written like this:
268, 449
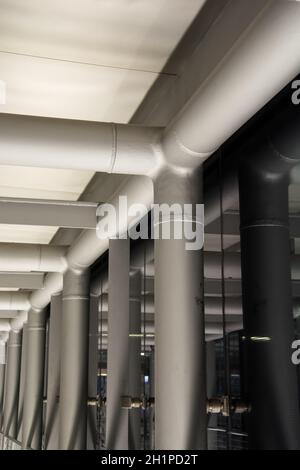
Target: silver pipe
135, 367
62, 143
152, 394
12, 381
53, 379
2, 384
34, 382
180, 370
14, 300
74, 361
92, 371
118, 345
24, 257
22, 381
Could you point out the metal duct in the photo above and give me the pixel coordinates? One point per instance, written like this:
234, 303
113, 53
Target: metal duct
12, 381
27, 257
53, 284
14, 301
4, 325
32, 427
17, 323
80, 145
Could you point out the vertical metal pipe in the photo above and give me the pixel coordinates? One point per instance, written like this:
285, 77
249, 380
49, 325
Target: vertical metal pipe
134, 372
2, 383
211, 367
118, 344
180, 393
271, 382
74, 361
12, 381
93, 370
46, 373
22, 382
2, 378
152, 394
53, 379
34, 381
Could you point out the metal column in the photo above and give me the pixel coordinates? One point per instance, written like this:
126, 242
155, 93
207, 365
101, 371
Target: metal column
12, 381
53, 382
2, 377
211, 379
152, 395
271, 382
134, 372
22, 382
180, 383
93, 370
118, 344
74, 361
34, 381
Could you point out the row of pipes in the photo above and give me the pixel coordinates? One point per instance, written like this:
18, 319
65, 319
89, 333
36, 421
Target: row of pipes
164, 165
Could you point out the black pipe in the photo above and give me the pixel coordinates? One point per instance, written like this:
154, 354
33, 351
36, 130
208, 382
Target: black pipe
271, 378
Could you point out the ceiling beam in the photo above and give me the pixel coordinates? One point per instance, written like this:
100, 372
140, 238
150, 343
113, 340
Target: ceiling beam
65, 214
29, 280
8, 314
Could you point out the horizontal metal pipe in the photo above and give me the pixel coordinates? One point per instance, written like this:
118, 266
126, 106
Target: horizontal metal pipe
4, 325
14, 300
53, 284
18, 322
27, 257
80, 145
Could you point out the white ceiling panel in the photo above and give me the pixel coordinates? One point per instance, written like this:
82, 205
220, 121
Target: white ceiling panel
134, 34
69, 90
86, 59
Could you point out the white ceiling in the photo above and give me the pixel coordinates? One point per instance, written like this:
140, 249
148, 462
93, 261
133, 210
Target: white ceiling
79, 59
86, 59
